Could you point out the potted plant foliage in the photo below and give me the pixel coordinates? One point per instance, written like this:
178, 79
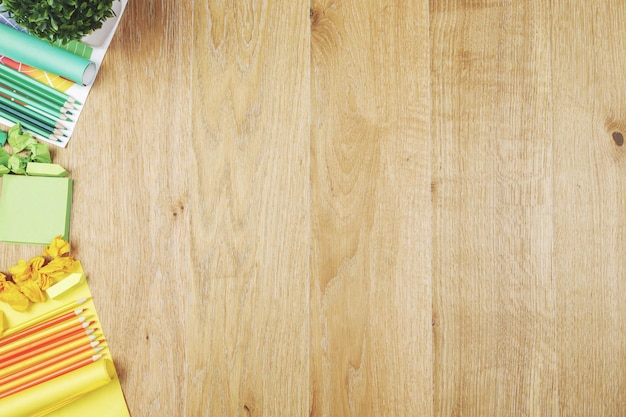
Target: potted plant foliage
59, 20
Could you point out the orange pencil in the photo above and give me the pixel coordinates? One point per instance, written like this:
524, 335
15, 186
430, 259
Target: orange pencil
32, 338
40, 326
52, 313
91, 348
56, 348
51, 375
45, 344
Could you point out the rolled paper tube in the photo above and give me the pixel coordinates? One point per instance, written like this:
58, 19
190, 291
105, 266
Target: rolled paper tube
49, 395
40, 54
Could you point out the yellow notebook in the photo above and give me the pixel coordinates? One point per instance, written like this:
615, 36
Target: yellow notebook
91, 391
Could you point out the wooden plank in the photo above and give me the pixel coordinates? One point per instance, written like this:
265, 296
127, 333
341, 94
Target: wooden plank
493, 294
247, 299
130, 221
589, 84
371, 213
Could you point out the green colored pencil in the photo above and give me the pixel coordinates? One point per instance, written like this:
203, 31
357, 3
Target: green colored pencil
30, 90
28, 120
43, 108
33, 129
23, 78
44, 118
17, 100
28, 82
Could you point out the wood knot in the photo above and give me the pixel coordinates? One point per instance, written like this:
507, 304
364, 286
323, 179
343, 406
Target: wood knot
315, 16
177, 208
326, 26
618, 138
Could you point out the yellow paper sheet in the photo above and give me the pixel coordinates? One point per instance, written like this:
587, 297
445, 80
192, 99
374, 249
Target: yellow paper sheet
106, 401
56, 393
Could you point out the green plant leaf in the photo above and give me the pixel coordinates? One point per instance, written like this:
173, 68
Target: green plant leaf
59, 20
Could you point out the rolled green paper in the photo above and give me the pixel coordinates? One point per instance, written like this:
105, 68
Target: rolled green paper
37, 53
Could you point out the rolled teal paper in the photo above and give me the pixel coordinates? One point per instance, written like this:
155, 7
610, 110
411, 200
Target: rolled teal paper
29, 50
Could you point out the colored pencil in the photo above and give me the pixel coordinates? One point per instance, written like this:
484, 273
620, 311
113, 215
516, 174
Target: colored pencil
31, 90
33, 84
52, 375
42, 325
32, 113
49, 358
49, 373
76, 323
75, 337
41, 318
29, 127
42, 100
25, 118
48, 111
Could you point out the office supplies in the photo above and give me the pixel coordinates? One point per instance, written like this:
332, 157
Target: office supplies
47, 373
74, 336
34, 210
28, 119
88, 391
23, 345
21, 82
47, 360
42, 169
38, 53
31, 111
92, 389
24, 325
58, 347
78, 92
40, 326
65, 285
34, 129
37, 103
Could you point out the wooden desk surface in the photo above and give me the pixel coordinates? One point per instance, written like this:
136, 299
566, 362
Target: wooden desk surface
358, 208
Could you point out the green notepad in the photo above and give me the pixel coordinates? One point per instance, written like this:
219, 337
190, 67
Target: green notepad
34, 210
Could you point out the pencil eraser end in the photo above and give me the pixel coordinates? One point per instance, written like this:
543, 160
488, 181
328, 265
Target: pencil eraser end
66, 284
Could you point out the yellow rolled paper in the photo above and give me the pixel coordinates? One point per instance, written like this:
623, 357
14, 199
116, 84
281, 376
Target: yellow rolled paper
50, 395
37, 53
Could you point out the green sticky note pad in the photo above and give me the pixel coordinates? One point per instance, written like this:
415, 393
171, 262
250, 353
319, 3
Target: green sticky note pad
34, 210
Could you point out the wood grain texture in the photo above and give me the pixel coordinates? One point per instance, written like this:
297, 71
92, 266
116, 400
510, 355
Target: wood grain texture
589, 84
493, 292
248, 299
130, 223
370, 210
358, 208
